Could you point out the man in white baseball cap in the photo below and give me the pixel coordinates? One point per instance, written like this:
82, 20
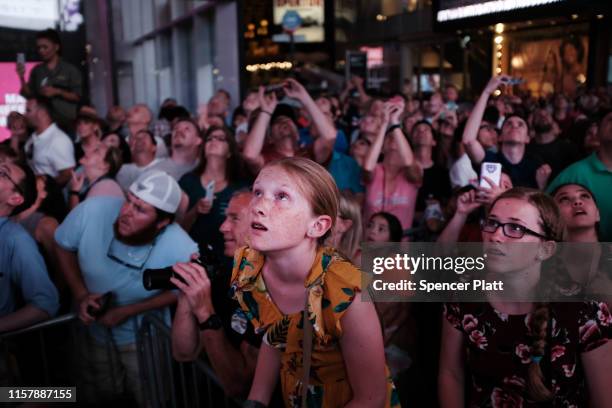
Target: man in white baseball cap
104, 245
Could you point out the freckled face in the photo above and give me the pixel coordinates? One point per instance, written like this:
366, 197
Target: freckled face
280, 214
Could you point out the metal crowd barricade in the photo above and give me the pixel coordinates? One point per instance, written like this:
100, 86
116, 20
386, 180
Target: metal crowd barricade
57, 338
168, 383
41, 332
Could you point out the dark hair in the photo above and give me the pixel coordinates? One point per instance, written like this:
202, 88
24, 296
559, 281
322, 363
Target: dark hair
457, 141
150, 134
54, 204
126, 155
13, 116
192, 123
234, 165
7, 151
51, 35
516, 115
164, 215
225, 93
421, 122
395, 226
238, 111
42, 103
491, 115
113, 158
26, 187
282, 109
172, 112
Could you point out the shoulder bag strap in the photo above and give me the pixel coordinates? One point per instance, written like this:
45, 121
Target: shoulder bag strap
306, 354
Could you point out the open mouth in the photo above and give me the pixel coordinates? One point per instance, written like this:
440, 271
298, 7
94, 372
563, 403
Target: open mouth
580, 212
258, 226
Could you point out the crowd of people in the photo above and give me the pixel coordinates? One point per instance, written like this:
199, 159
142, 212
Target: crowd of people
279, 194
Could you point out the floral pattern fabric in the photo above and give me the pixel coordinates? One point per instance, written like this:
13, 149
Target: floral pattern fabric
499, 352
333, 283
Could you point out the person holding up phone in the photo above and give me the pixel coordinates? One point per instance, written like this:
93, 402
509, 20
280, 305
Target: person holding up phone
210, 187
525, 169
283, 130
54, 79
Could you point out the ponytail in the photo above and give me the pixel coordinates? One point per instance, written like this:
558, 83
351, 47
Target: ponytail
535, 377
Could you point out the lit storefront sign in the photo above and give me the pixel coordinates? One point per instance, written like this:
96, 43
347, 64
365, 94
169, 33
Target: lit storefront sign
312, 14
451, 10
10, 100
40, 14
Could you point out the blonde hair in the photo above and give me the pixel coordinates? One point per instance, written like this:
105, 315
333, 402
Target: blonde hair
350, 209
315, 182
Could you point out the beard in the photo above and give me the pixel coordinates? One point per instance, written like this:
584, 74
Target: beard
542, 127
143, 237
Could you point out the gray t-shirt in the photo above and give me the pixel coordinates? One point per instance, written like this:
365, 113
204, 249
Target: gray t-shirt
129, 173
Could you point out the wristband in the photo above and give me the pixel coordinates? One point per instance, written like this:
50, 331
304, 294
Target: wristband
212, 323
253, 404
72, 192
264, 111
393, 127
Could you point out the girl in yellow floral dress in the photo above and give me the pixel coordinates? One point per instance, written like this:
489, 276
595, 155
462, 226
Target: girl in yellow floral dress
284, 271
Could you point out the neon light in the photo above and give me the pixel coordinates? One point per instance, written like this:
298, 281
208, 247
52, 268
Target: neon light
497, 6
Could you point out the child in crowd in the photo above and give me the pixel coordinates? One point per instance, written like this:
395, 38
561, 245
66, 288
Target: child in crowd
305, 297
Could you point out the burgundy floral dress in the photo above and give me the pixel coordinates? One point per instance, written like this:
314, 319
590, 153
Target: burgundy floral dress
498, 352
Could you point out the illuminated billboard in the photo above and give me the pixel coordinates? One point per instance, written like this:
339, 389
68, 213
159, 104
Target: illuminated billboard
312, 14
10, 100
40, 14
453, 10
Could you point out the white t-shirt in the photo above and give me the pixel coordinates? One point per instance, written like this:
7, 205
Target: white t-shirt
461, 172
51, 152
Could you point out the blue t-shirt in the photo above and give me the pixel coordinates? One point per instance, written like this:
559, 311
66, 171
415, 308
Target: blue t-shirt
22, 268
346, 172
341, 145
107, 265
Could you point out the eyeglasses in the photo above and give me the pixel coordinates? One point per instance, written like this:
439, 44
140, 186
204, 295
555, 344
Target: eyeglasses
510, 229
133, 258
217, 138
5, 174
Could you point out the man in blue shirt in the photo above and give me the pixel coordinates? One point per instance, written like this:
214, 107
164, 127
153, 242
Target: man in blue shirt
22, 268
104, 245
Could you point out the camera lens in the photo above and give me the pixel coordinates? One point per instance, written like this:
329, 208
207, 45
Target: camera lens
155, 279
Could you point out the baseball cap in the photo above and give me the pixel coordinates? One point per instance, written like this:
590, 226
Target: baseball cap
158, 189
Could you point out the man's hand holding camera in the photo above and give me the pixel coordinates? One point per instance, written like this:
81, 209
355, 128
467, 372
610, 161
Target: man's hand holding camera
195, 290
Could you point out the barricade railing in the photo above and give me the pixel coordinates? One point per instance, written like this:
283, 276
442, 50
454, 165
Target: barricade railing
38, 332
169, 383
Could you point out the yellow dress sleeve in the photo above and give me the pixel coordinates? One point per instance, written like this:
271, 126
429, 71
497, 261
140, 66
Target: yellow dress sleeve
341, 287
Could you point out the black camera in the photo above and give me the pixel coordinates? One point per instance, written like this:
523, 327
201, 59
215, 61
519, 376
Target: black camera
154, 279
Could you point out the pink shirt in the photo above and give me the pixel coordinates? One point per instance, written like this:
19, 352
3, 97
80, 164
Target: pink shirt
399, 202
